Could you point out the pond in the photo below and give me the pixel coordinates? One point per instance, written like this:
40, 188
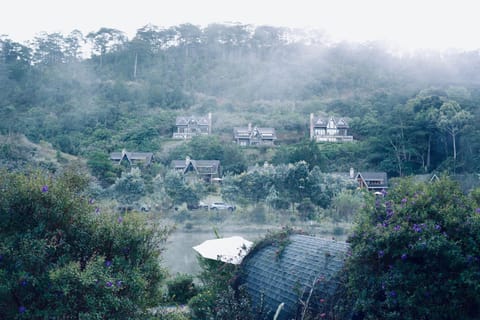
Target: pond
179, 256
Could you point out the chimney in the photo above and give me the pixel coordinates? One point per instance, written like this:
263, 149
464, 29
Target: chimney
311, 126
249, 126
352, 173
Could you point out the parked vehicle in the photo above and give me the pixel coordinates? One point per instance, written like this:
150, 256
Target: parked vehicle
222, 206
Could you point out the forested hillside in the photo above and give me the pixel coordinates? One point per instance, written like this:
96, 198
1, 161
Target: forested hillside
92, 94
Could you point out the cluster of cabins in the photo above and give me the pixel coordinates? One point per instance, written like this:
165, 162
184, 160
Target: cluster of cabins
210, 170
322, 129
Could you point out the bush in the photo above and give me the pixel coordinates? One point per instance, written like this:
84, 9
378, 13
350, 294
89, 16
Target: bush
61, 257
216, 277
416, 255
258, 214
181, 288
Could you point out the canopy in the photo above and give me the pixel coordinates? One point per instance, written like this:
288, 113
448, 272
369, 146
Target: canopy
229, 250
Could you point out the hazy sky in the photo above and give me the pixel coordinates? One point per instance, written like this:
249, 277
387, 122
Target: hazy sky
406, 23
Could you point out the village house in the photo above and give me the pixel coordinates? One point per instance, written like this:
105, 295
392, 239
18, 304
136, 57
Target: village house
254, 136
195, 170
188, 127
132, 158
329, 129
373, 181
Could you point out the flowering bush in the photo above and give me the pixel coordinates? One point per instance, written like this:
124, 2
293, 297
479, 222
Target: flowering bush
416, 255
62, 257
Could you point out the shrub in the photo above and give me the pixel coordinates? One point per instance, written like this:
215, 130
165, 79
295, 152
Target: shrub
181, 288
61, 257
216, 277
416, 255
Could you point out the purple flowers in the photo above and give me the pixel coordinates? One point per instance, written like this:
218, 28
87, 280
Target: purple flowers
109, 284
45, 188
397, 228
389, 212
108, 263
404, 256
97, 210
381, 253
119, 283
437, 227
478, 210
22, 309
91, 201
417, 228
23, 283
393, 294
120, 219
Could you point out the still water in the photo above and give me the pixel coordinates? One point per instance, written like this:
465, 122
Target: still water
179, 256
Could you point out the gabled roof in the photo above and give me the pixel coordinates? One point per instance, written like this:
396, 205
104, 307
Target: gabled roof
324, 122
273, 277
374, 180
132, 156
245, 132
192, 120
200, 166
428, 177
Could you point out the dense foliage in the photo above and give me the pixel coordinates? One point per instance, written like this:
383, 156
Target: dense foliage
416, 255
283, 186
410, 114
61, 256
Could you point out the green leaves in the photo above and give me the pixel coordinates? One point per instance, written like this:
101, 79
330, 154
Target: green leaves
60, 256
415, 253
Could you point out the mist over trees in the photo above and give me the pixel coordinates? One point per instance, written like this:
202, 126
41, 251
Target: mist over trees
100, 92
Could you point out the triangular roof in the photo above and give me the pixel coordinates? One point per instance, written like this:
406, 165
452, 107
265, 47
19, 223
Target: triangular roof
373, 180
132, 156
322, 122
245, 132
274, 274
200, 166
202, 120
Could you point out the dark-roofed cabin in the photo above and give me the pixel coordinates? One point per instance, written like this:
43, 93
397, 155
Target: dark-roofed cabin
373, 181
188, 127
193, 170
307, 267
248, 136
329, 129
132, 158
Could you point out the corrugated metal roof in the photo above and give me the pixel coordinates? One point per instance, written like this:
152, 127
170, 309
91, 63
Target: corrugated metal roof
286, 275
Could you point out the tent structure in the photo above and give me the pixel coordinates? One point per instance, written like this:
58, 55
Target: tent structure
229, 250
304, 269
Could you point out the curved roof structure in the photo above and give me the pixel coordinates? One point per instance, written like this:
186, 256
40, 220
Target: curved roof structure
303, 268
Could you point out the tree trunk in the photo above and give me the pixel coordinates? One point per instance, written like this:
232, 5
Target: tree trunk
135, 67
454, 152
429, 149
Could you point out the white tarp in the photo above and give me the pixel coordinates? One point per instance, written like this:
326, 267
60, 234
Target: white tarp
229, 250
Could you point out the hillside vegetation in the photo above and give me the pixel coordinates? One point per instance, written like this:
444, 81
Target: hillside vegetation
409, 113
